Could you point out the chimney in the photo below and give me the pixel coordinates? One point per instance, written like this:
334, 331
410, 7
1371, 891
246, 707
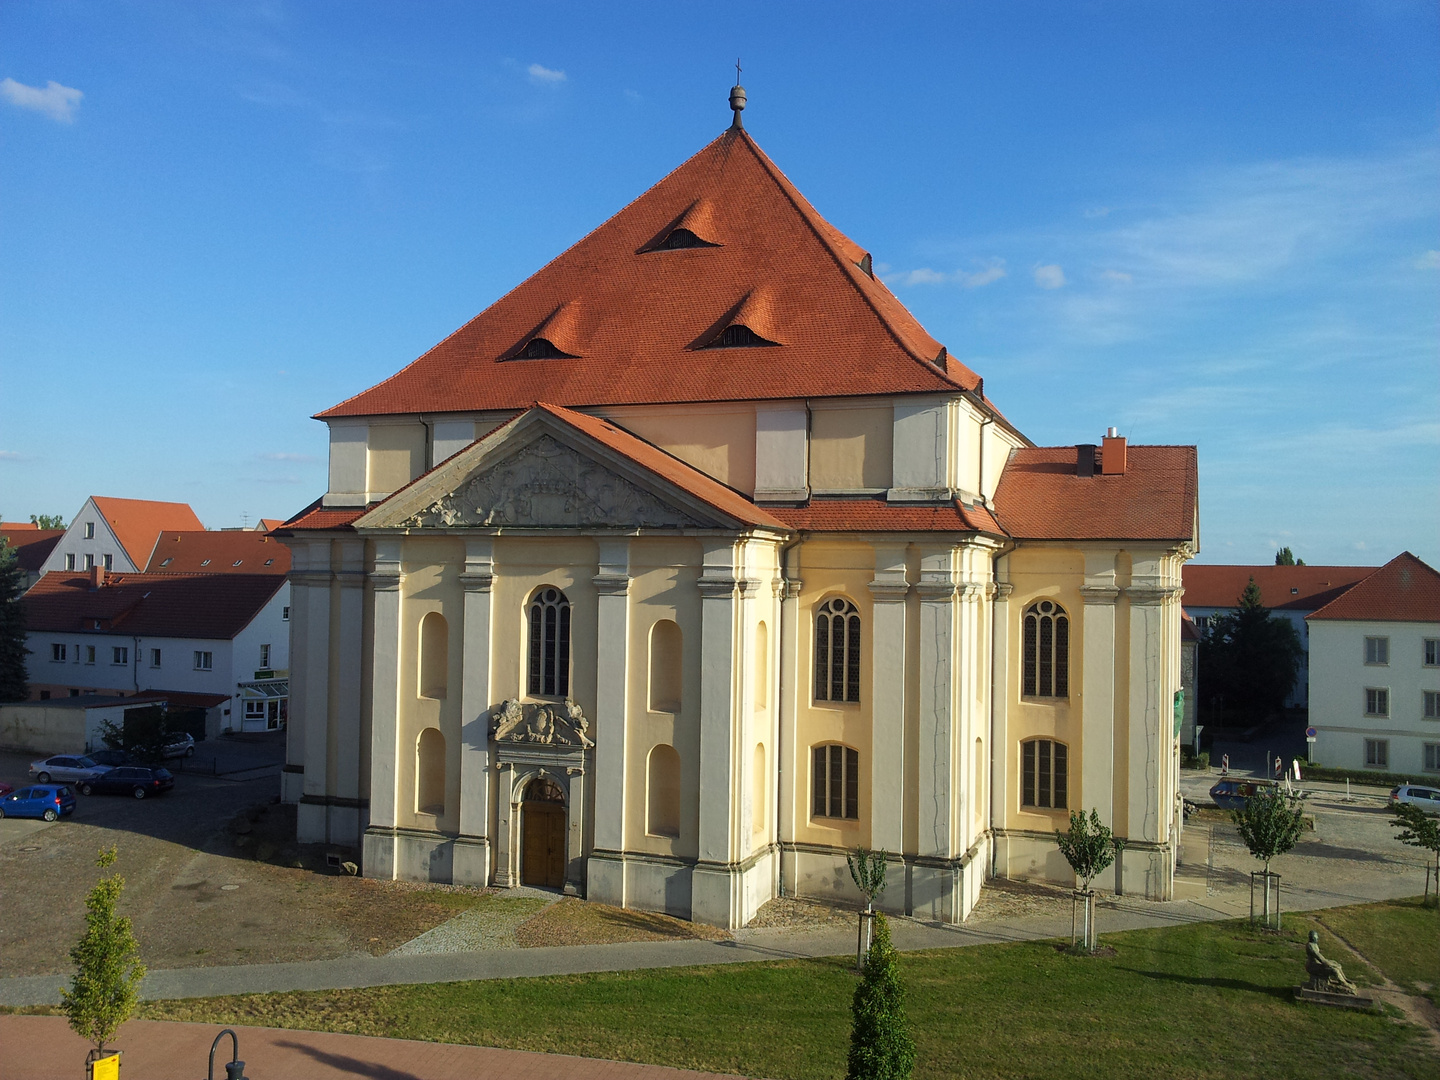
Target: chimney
1085, 459
97, 577
1112, 457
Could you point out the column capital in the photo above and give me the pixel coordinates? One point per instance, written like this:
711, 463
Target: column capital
476, 581
972, 591
1001, 590
612, 584
350, 579
717, 586
791, 588
936, 590
309, 577
889, 591
748, 586
1099, 594
385, 580
1151, 594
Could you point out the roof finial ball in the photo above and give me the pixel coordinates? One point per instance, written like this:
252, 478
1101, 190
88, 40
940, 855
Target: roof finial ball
737, 100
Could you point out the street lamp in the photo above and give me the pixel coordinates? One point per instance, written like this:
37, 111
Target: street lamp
234, 1068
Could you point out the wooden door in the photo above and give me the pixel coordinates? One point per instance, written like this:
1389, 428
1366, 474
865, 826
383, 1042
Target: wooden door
543, 845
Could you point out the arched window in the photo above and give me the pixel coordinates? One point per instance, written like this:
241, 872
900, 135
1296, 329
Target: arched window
837, 651
665, 667
762, 665
760, 789
1044, 774
430, 772
1047, 651
549, 644
835, 782
662, 791
434, 656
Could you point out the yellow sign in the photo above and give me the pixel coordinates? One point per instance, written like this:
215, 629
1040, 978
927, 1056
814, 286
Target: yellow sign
106, 1068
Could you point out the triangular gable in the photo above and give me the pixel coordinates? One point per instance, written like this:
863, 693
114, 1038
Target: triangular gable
552, 469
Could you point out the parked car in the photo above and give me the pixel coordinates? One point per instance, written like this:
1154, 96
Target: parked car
1427, 798
5, 789
112, 758
181, 745
67, 768
47, 801
1231, 794
133, 780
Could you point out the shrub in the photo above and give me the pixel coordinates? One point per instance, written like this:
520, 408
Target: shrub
880, 1043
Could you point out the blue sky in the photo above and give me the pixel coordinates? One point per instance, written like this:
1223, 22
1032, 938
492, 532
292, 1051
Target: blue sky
1203, 223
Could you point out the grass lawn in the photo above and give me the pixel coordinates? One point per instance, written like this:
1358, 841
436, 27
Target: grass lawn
1212, 1000
1400, 937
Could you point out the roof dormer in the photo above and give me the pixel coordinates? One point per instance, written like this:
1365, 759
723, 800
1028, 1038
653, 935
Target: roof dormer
556, 338
749, 324
694, 228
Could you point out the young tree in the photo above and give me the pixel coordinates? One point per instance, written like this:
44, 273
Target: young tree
1270, 823
1286, 557
106, 985
47, 521
1088, 846
880, 1043
1419, 829
1249, 658
13, 685
867, 870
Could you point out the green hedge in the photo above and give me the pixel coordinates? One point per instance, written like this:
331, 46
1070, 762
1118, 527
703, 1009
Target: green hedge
1363, 776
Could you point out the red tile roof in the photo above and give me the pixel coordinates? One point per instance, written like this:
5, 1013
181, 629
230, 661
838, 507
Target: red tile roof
137, 522
266, 524
215, 606
1403, 590
227, 552
1041, 498
1294, 588
635, 318
18, 526
32, 546
321, 518
877, 515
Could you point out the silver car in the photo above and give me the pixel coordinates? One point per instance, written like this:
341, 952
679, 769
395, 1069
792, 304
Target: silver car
63, 768
1427, 798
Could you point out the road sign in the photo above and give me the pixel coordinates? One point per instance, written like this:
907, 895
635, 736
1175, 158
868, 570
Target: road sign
1310, 733
1310, 738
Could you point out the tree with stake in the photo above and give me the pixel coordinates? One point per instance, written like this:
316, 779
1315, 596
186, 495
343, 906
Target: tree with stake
1270, 824
1419, 829
106, 985
13, 686
880, 1043
867, 870
1089, 847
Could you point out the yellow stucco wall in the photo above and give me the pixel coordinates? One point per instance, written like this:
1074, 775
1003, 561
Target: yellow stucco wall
720, 443
395, 455
851, 448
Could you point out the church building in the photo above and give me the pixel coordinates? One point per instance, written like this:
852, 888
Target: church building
694, 562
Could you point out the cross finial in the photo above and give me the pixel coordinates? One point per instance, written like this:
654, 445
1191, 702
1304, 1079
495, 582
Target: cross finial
737, 71
737, 99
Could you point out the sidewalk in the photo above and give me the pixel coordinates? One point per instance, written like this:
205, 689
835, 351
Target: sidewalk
44, 1048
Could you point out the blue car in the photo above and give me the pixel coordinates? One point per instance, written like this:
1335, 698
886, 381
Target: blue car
46, 801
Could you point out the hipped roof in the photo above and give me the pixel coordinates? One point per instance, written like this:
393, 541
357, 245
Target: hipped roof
636, 317
1294, 588
213, 606
1403, 590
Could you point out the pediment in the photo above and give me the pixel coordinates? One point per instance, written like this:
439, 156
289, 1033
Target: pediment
539, 472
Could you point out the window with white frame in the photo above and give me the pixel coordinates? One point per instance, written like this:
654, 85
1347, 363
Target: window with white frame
120, 654
549, 669
109, 562
154, 657
1377, 701
1432, 757
285, 613
1377, 753
89, 654
70, 561
89, 562
1377, 651
1047, 651
837, 651
57, 653
1432, 652
1430, 704
835, 782
1044, 774
203, 660
264, 656
89, 530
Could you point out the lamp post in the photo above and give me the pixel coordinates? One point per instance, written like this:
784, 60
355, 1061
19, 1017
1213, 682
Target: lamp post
234, 1068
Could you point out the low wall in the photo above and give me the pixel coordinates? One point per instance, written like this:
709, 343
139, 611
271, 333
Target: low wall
41, 728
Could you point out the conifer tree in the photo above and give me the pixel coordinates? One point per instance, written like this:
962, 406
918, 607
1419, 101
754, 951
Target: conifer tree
1286, 557
106, 985
1249, 658
880, 1043
13, 686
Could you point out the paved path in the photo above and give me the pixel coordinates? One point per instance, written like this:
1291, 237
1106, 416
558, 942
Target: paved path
44, 1048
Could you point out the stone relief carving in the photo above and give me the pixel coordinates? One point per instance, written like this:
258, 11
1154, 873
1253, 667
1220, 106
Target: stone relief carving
547, 483
539, 723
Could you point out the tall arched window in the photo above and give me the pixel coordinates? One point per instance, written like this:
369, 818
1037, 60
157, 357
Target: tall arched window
549, 644
762, 665
1047, 651
1044, 774
666, 659
662, 791
434, 656
835, 782
837, 651
430, 772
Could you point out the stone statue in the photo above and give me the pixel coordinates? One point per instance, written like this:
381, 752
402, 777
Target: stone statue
1325, 975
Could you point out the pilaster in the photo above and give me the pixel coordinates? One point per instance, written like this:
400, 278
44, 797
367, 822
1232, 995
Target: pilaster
1097, 685
313, 607
605, 873
933, 890
1150, 741
887, 699
471, 863
346, 815
386, 580
1001, 753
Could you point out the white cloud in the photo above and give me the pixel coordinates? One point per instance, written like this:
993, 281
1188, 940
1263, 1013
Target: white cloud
1097, 212
55, 101
11, 455
1119, 277
1049, 276
924, 276
994, 270
1428, 261
543, 75
978, 278
306, 459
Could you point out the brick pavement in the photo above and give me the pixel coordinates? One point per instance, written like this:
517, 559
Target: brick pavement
44, 1048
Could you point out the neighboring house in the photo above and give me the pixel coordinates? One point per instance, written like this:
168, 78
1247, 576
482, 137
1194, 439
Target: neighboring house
222, 552
117, 534
166, 633
1375, 676
765, 577
32, 546
1290, 592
